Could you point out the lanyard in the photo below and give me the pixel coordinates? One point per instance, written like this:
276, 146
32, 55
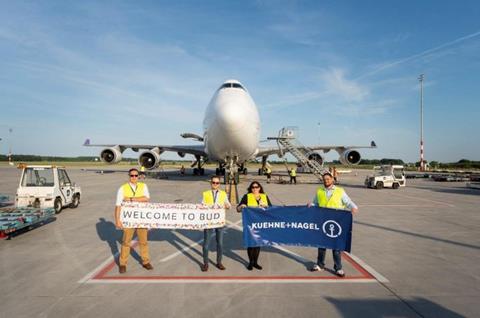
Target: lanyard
133, 191
214, 194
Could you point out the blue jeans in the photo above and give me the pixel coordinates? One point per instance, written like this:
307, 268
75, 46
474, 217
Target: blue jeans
337, 258
207, 237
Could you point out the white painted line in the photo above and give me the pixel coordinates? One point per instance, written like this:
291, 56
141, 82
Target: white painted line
88, 277
230, 281
417, 198
368, 268
186, 248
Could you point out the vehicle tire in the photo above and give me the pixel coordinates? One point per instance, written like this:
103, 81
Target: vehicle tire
202, 171
57, 205
379, 185
217, 172
195, 171
260, 171
75, 201
395, 185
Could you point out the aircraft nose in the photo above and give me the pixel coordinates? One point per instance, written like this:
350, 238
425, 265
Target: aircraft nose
231, 116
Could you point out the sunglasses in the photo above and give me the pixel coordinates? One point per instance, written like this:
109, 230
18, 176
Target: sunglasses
215, 182
255, 187
134, 176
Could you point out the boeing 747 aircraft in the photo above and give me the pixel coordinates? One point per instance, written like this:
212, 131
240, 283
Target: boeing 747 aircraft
231, 137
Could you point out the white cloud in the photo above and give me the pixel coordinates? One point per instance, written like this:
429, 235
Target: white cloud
337, 85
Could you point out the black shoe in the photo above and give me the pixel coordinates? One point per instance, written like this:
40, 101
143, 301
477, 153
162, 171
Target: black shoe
221, 267
258, 267
204, 267
250, 267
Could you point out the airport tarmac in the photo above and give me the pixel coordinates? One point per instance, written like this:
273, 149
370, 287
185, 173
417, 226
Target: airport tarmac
415, 253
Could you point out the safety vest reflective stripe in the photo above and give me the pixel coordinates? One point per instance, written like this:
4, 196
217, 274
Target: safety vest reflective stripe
208, 198
251, 201
335, 201
129, 192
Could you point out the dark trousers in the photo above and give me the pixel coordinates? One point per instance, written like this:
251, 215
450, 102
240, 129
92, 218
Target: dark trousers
293, 179
207, 237
253, 253
337, 258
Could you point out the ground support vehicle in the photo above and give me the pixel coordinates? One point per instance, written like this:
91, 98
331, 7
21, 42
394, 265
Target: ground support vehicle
386, 176
46, 186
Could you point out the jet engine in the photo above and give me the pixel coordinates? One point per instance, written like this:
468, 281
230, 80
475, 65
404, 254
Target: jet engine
150, 159
111, 155
316, 157
350, 157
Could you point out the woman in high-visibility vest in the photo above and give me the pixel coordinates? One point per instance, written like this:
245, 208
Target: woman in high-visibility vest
256, 198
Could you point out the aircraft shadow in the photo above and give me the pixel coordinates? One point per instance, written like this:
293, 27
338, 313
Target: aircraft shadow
379, 308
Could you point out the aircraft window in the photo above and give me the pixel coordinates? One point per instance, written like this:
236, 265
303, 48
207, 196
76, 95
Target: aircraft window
235, 85
226, 85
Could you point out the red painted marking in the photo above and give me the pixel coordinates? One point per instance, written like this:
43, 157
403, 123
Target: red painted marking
101, 275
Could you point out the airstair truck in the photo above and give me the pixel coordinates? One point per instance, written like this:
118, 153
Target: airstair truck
46, 186
386, 176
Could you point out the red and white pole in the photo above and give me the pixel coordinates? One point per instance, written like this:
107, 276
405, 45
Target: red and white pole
422, 162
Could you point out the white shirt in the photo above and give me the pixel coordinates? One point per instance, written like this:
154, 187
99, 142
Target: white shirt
121, 196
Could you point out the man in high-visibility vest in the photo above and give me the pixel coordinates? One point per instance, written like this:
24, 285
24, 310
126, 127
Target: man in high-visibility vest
268, 172
333, 197
132, 191
214, 198
142, 173
293, 176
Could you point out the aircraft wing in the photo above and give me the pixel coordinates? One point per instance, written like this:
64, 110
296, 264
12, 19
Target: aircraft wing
268, 151
198, 150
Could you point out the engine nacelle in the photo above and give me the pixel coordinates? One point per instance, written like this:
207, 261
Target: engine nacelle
111, 155
150, 159
316, 157
350, 157
181, 154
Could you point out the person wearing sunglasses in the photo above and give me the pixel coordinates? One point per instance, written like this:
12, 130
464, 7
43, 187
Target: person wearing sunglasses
132, 191
214, 198
331, 196
254, 198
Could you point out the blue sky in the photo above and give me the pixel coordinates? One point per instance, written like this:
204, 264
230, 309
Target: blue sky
344, 72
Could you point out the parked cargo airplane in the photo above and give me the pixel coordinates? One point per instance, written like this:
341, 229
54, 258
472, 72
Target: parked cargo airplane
231, 135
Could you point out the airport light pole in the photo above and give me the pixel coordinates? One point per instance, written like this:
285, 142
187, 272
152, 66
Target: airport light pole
422, 162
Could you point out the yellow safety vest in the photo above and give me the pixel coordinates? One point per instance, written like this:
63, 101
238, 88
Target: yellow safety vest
268, 170
128, 191
335, 201
251, 201
142, 169
208, 198
293, 173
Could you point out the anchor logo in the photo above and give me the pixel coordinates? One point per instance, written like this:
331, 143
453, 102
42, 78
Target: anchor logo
331, 228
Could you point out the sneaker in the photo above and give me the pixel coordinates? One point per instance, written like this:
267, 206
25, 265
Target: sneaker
316, 268
340, 273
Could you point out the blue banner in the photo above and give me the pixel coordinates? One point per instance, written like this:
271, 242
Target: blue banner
297, 225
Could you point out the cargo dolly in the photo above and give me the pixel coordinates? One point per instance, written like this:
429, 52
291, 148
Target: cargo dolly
15, 219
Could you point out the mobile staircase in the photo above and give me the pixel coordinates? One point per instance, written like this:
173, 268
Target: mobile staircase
288, 142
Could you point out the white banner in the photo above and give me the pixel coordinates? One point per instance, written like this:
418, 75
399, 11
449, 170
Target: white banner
170, 216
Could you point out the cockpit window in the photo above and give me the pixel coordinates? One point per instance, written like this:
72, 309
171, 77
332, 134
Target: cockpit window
234, 85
